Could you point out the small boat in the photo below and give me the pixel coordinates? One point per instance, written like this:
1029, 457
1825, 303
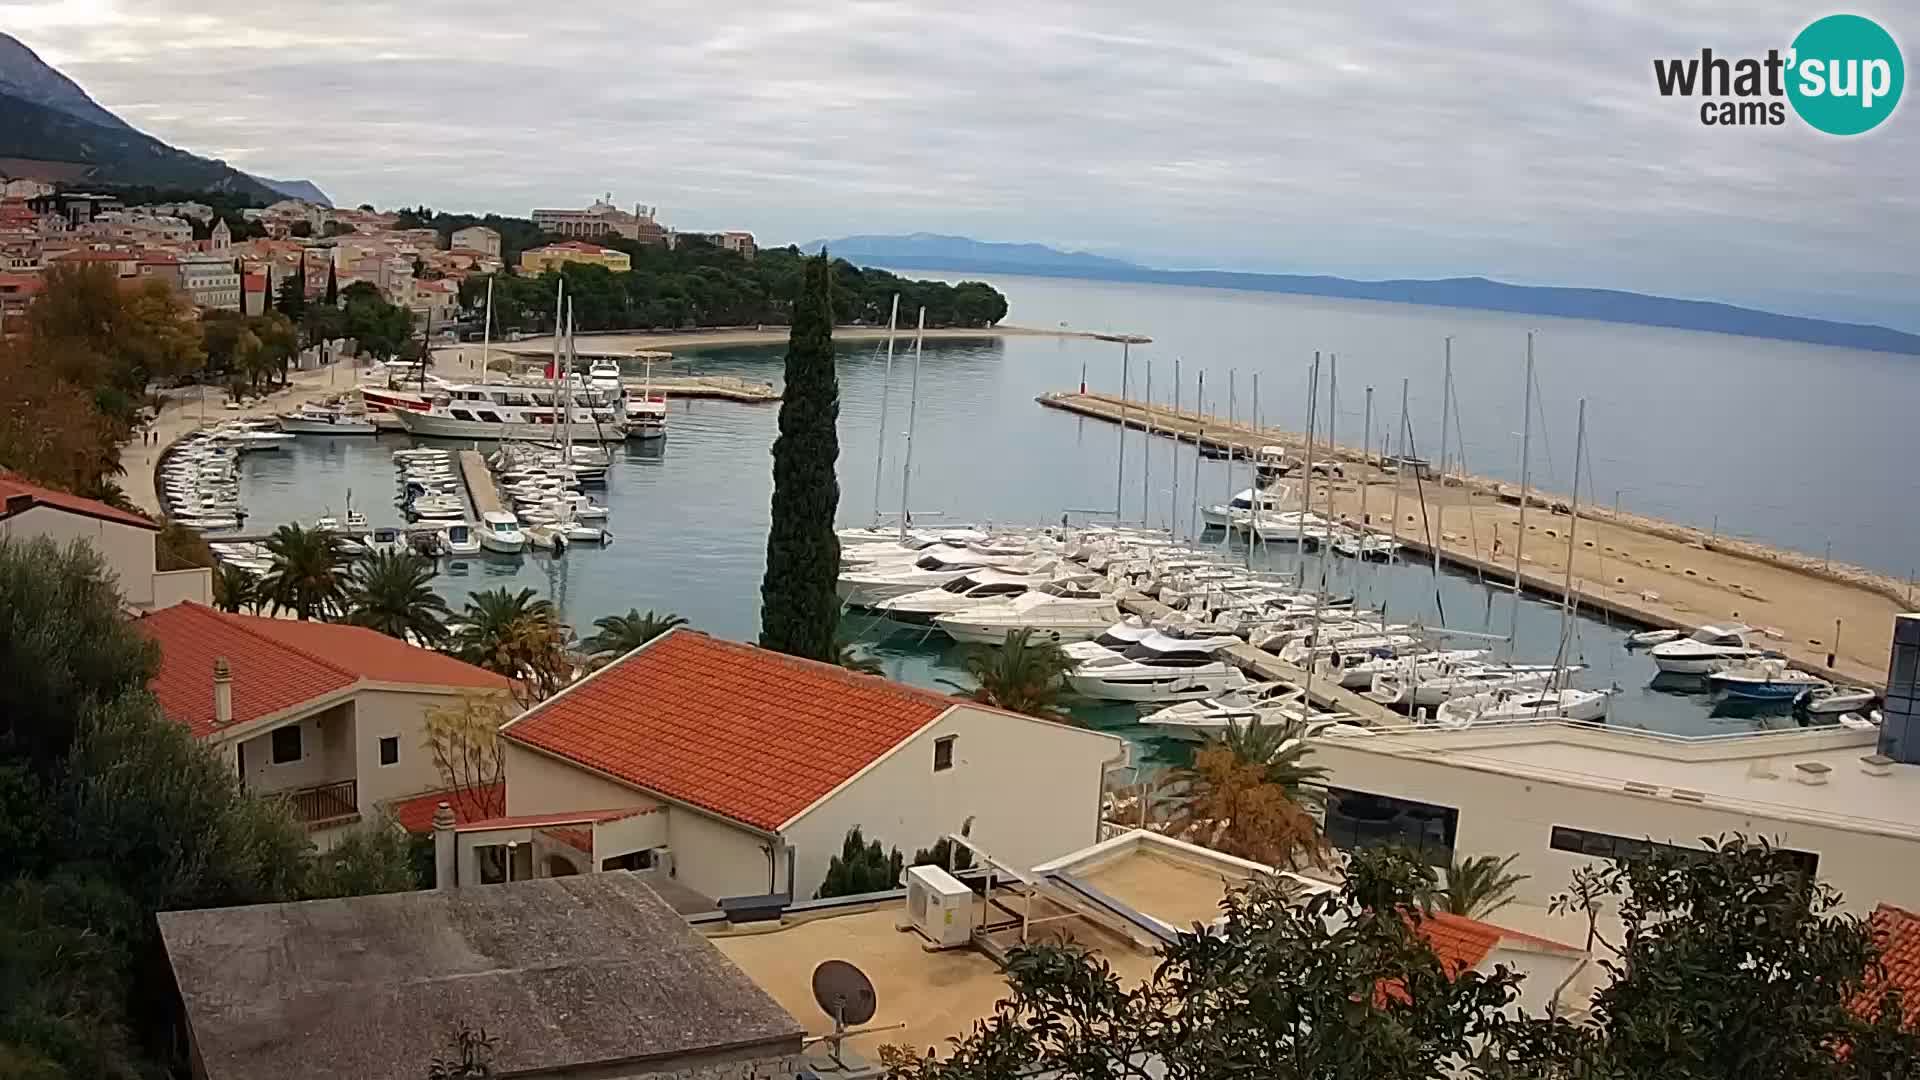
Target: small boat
500, 531
1706, 650
1764, 680
1370, 547
461, 538
1647, 639
1870, 722
326, 420
386, 539
438, 508
1827, 700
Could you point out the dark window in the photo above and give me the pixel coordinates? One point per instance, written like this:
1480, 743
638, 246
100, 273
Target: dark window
488, 417
462, 414
943, 753
1608, 846
390, 750
1360, 819
632, 860
286, 744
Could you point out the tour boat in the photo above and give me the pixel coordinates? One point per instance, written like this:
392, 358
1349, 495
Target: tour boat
500, 531
1159, 667
1829, 700
325, 420
1763, 680
1061, 612
1567, 703
1709, 648
515, 411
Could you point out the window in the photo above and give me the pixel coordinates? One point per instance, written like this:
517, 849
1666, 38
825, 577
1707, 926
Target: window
632, 860
943, 752
1608, 846
286, 744
390, 750
1360, 819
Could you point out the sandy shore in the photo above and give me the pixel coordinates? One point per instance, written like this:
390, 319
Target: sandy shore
1661, 572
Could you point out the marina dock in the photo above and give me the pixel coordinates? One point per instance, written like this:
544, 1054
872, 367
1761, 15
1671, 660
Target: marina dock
716, 387
479, 480
1627, 566
1266, 666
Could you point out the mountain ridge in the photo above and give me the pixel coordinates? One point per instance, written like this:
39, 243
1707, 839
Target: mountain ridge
34, 95
916, 251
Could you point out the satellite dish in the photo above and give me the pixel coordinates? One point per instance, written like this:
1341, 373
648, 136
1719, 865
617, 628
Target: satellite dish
844, 992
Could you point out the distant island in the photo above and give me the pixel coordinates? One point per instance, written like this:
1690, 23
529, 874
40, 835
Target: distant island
930, 251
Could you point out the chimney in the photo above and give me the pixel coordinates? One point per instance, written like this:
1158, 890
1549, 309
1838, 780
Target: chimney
1811, 773
222, 693
445, 873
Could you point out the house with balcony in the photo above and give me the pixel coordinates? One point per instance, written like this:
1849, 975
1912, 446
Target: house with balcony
330, 718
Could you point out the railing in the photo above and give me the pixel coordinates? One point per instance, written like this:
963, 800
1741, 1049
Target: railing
323, 802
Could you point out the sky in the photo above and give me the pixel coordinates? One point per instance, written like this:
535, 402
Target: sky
1524, 142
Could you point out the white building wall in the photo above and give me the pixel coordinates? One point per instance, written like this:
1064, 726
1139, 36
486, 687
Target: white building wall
127, 549
538, 783
716, 858
1032, 789
326, 754
402, 715
1501, 815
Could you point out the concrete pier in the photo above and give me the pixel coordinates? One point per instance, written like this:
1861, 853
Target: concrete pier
1640, 570
480, 490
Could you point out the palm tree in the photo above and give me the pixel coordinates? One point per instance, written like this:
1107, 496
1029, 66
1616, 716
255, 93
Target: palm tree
392, 593
517, 635
1280, 749
1477, 886
1246, 793
306, 578
1020, 676
618, 635
236, 590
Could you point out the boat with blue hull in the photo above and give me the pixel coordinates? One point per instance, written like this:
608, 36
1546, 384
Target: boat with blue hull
1765, 680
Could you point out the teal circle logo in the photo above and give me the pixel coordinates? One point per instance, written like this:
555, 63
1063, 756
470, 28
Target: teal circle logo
1845, 74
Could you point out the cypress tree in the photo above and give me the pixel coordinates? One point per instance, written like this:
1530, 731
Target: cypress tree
333, 286
799, 610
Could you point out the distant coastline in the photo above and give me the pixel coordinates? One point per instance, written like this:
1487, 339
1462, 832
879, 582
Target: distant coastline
921, 252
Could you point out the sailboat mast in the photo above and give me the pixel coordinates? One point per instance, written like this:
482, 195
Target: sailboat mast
1120, 465
886, 386
1399, 464
1333, 454
1573, 522
1199, 437
1306, 494
1446, 408
486, 335
913, 409
1227, 540
1520, 537
1253, 476
1173, 500
1146, 449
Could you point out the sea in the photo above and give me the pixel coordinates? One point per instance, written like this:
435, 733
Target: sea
1788, 443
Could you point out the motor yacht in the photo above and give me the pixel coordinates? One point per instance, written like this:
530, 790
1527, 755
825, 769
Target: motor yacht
1159, 667
1706, 649
500, 532
386, 539
935, 567
1062, 612
461, 538
1204, 718
973, 589
321, 419
1237, 511
1764, 680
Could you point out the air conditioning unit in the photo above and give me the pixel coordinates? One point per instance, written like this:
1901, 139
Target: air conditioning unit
662, 859
939, 907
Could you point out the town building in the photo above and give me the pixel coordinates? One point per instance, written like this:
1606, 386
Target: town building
477, 238
124, 541
1562, 795
603, 218
553, 256
74, 207
139, 227
20, 187
200, 212
752, 766
17, 291
210, 280
220, 237
121, 261
329, 717
583, 977
737, 241
158, 265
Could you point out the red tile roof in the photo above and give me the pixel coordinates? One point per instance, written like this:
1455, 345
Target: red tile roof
415, 814
745, 733
13, 486
1898, 933
1460, 943
280, 663
576, 817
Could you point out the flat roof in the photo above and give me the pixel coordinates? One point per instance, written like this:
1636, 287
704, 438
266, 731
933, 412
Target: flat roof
1752, 773
573, 972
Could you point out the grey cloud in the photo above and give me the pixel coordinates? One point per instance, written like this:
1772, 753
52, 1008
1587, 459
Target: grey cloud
1521, 141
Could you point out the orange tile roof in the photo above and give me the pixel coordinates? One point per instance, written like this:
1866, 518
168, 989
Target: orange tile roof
415, 814
13, 486
280, 663
1460, 943
745, 733
575, 817
1897, 931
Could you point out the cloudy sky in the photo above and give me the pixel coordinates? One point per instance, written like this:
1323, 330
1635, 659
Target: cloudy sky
1520, 141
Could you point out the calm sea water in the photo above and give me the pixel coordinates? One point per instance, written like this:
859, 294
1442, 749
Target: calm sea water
1783, 442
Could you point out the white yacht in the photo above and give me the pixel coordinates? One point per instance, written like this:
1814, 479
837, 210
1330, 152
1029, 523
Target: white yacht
645, 414
1365, 639
1122, 635
1707, 648
386, 539
935, 567
500, 531
1416, 685
1159, 667
1063, 612
1567, 703
515, 411
461, 539
1269, 703
1237, 511
1367, 546
975, 588
1354, 669
321, 419
603, 374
